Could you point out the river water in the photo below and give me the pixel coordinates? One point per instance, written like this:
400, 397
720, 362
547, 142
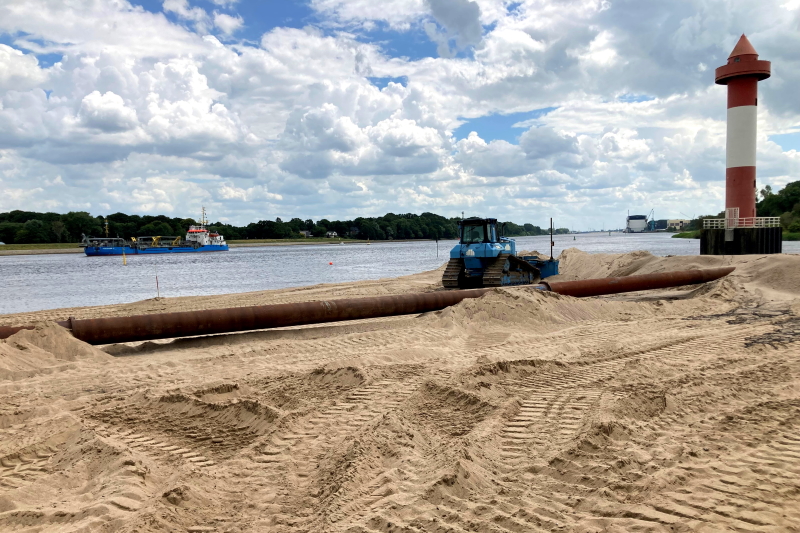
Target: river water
36, 282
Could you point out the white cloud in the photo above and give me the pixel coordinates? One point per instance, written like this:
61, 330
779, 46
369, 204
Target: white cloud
461, 20
19, 71
106, 112
196, 15
226, 23
140, 113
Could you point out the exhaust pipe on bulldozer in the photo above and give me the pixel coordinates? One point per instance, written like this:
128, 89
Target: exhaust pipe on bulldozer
214, 321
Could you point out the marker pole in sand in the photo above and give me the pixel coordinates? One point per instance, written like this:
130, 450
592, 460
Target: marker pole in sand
158, 292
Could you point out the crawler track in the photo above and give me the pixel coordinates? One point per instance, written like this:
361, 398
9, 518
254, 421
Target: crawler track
452, 277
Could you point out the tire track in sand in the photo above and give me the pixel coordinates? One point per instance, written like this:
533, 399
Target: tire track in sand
288, 462
160, 448
557, 401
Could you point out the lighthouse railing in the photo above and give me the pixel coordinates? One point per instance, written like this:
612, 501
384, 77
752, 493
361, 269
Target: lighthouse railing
749, 222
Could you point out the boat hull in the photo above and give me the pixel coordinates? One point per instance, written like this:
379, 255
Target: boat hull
128, 250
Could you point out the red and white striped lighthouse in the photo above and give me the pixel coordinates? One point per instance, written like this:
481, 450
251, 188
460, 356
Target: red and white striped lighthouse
742, 74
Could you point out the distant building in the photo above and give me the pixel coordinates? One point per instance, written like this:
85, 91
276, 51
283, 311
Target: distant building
636, 224
331, 234
305, 233
678, 223
662, 224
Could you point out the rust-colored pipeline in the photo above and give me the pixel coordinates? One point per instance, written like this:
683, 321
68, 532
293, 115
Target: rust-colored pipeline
212, 321
662, 280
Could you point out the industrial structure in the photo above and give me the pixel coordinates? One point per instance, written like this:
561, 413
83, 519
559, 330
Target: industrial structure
640, 223
741, 231
678, 224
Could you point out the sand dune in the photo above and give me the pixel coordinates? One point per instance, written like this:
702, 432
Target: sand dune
519, 411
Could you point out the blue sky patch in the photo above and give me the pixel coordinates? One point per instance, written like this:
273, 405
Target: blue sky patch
413, 44
787, 141
500, 127
628, 97
45, 60
380, 83
48, 60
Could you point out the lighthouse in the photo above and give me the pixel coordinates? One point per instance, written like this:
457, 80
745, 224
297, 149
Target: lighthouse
741, 231
741, 74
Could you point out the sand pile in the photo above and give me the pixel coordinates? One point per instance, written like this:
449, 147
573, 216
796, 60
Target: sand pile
673, 410
46, 348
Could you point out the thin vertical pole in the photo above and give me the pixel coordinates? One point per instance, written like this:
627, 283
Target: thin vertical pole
551, 238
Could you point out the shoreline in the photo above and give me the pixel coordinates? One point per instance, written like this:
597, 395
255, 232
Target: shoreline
78, 250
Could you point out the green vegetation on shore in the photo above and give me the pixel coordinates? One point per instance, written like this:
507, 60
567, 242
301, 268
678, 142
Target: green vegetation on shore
42, 246
28, 227
687, 235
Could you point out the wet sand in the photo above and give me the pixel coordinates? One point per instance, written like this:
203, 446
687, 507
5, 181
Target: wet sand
671, 410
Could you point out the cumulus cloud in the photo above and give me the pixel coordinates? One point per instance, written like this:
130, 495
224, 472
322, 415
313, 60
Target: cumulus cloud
545, 141
182, 9
617, 107
226, 23
19, 71
461, 21
106, 112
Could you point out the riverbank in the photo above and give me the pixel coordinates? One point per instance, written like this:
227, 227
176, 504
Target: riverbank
687, 235
36, 249
665, 410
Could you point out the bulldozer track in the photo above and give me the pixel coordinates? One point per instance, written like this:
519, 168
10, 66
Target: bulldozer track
493, 275
452, 273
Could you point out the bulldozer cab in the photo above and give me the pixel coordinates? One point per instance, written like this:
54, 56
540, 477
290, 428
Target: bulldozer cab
479, 230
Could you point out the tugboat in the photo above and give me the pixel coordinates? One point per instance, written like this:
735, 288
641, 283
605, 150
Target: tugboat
198, 239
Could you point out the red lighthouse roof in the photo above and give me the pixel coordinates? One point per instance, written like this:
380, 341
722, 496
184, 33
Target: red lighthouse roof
743, 62
743, 48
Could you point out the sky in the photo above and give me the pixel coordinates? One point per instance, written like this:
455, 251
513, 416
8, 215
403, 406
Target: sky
580, 110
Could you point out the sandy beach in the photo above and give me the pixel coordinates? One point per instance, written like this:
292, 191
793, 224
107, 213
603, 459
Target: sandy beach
669, 410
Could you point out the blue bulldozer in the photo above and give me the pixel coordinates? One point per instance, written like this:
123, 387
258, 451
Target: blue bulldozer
485, 258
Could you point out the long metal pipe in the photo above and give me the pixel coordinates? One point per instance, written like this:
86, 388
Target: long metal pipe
597, 287
213, 321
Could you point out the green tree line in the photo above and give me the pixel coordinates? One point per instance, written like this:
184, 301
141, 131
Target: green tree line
784, 204
28, 227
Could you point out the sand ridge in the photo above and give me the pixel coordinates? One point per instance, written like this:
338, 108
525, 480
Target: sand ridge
677, 410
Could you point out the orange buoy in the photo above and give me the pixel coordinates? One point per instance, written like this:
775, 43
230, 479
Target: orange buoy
330, 263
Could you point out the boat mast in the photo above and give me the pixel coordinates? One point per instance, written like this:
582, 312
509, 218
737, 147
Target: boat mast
203, 220
106, 219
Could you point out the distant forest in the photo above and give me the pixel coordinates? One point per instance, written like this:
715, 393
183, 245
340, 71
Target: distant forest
28, 227
785, 204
